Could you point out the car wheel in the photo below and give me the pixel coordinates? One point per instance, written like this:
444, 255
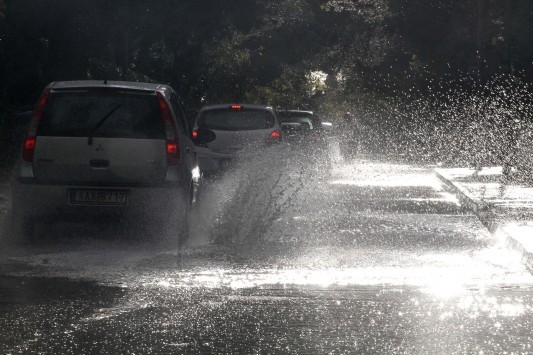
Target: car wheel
198, 230
183, 228
184, 221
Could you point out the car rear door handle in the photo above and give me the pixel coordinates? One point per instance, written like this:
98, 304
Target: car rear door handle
99, 163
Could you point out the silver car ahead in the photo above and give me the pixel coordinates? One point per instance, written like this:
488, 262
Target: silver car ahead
222, 131
106, 148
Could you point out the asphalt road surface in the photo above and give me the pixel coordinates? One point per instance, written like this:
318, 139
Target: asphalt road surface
290, 254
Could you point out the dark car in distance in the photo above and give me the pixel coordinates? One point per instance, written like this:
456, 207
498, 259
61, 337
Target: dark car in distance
300, 127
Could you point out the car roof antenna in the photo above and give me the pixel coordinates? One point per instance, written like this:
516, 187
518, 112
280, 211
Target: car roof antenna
105, 77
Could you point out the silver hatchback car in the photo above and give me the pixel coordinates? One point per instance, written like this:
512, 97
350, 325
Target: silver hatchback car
106, 148
223, 131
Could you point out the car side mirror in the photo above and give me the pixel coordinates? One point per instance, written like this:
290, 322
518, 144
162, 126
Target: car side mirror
202, 136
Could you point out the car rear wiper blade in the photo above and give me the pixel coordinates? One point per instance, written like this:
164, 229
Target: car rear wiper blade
100, 123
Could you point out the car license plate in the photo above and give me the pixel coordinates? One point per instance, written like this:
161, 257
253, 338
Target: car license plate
98, 197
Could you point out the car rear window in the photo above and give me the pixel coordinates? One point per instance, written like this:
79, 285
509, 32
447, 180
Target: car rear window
236, 120
299, 118
76, 114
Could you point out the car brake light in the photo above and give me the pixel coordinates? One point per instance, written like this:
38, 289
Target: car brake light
195, 136
202, 136
275, 136
171, 134
236, 107
28, 148
172, 152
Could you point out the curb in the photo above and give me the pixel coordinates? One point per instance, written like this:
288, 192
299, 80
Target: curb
465, 197
484, 213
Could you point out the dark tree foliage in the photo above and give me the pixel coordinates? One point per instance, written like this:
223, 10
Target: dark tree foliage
261, 51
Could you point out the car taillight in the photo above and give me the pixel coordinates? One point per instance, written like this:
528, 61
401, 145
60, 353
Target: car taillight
275, 136
197, 139
171, 134
173, 156
202, 136
28, 148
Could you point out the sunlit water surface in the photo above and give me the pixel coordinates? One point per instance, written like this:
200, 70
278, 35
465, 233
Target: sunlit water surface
316, 258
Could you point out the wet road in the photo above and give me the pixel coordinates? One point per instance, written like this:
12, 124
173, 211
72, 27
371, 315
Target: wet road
290, 255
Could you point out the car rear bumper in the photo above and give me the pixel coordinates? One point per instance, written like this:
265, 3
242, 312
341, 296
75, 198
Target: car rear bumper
212, 164
33, 199
209, 161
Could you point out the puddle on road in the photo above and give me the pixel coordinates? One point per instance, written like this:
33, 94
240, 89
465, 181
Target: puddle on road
435, 271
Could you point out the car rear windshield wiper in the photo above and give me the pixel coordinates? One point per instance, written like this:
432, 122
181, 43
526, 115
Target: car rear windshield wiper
100, 123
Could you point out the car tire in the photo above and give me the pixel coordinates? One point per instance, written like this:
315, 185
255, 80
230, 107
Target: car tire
198, 229
183, 227
188, 208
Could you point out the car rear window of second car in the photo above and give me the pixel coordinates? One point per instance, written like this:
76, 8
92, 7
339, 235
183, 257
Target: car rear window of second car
236, 120
76, 114
302, 119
